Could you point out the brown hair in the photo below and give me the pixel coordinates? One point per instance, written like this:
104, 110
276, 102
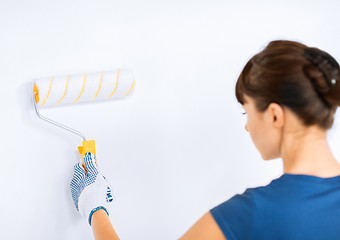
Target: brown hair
301, 78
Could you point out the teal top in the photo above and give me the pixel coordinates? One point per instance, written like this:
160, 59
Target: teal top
293, 206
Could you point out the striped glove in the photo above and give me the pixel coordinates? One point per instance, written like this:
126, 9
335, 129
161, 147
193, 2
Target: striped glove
90, 190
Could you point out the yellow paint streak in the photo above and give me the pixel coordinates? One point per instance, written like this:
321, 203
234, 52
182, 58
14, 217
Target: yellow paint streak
115, 86
48, 93
130, 89
100, 84
82, 90
68, 77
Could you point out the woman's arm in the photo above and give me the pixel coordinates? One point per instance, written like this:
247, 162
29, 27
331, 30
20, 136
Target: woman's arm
91, 195
102, 227
205, 228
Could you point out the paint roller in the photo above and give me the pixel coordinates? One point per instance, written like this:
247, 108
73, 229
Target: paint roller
81, 88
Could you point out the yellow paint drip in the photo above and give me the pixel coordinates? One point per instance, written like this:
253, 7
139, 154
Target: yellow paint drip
82, 90
100, 84
115, 85
48, 93
129, 89
68, 77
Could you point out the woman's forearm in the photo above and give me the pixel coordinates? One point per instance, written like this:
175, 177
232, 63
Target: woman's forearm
102, 227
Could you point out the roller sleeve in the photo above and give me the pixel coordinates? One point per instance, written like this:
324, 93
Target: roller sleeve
80, 88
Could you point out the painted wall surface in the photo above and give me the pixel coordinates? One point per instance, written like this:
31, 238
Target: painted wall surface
174, 149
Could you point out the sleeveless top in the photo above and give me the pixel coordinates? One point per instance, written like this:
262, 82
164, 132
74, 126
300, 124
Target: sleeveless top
293, 206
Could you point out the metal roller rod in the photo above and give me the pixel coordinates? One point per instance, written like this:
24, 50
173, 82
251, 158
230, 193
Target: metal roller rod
56, 123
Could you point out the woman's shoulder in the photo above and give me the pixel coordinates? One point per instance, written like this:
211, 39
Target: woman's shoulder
240, 211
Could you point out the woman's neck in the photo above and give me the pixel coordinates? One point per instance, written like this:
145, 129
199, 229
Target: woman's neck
307, 152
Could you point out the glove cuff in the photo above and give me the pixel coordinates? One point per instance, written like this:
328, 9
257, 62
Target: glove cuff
96, 209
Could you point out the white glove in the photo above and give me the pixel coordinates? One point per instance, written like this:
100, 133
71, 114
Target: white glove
90, 190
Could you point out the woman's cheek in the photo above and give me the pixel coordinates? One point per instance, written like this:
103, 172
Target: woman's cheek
255, 134
261, 138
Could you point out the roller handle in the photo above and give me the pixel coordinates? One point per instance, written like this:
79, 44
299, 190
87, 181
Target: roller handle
88, 146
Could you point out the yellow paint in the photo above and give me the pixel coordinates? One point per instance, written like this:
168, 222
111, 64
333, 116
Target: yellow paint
100, 84
130, 89
68, 77
88, 146
48, 93
115, 86
82, 90
36, 92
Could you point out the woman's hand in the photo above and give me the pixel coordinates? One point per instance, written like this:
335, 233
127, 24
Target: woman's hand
90, 190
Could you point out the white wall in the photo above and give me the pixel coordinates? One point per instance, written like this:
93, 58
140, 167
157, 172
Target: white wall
173, 150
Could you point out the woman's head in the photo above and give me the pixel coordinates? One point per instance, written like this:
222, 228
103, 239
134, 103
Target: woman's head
289, 78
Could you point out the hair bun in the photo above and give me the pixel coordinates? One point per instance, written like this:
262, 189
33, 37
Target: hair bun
324, 73
328, 66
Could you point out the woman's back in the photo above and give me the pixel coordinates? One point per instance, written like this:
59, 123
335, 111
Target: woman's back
293, 206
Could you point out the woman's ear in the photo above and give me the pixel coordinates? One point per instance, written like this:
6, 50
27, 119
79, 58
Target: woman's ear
276, 114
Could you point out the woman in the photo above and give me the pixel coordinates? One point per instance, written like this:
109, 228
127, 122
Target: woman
290, 93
